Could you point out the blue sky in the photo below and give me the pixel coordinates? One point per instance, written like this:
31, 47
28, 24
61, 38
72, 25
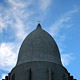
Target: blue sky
61, 18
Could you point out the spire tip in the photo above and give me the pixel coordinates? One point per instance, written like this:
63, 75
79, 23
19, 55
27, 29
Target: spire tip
38, 26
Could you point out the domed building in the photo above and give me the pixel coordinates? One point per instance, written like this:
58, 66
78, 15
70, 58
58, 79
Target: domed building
39, 59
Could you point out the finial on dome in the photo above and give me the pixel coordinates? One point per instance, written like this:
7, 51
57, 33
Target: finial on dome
38, 26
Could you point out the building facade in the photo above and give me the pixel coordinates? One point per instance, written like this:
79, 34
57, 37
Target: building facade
39, 59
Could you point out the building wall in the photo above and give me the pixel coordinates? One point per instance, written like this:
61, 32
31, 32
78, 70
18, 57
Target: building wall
39, 71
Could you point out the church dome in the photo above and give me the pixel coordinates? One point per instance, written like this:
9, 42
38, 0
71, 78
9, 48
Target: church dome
39, 46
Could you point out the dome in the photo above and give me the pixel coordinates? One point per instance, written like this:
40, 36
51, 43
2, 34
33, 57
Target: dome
39, 46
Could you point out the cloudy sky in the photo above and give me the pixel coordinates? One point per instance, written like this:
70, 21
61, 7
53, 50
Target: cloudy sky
61, 18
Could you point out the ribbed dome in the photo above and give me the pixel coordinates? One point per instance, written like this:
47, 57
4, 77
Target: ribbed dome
39, 46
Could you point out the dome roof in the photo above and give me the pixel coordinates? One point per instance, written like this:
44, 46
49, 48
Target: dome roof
39, 46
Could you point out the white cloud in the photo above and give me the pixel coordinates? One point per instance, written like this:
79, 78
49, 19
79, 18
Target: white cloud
17, 3
44, 4
2, 23
20, 33
15, 17
18, 15
66, 59
59, 24
3, 76
7, 56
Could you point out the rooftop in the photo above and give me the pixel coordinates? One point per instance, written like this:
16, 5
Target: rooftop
39, 46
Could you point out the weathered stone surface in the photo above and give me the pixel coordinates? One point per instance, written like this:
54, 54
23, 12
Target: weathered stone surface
39, 46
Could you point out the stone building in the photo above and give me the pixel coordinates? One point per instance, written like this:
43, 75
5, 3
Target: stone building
39, 59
